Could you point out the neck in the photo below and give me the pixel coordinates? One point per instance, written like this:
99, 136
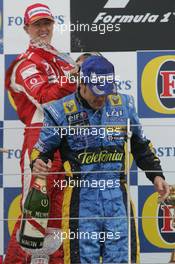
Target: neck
38, 44
82, 93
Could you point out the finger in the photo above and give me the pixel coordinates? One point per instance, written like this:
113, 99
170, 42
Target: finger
40, 175
162, 198
40, 165
165, 193
39, 168
3, 150
49, 164
39, 172
160, 186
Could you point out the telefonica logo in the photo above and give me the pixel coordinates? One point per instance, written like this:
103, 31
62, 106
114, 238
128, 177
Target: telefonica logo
116, 3
102, 156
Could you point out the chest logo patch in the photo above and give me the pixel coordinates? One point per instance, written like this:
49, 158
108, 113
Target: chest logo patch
70, 107
115, 99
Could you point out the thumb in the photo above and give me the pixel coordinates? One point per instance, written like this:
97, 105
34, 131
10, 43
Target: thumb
49, 164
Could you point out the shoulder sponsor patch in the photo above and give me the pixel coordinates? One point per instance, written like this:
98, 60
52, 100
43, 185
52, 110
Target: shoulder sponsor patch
115, 99
28, 71
70, 107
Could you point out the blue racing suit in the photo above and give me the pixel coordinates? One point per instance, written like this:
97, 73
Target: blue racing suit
92, 145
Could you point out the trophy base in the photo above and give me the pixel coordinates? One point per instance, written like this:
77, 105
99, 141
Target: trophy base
39, 260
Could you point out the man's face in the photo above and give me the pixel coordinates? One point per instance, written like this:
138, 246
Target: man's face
96, 102
41, 29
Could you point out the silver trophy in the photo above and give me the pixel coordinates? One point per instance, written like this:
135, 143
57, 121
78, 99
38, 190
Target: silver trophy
52, 243
44, 259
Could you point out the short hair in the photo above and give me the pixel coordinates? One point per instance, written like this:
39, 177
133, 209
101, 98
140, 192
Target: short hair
86, 55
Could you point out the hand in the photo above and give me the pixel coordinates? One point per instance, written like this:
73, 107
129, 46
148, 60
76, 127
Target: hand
41, 169
162, 188
75, 71
3, 150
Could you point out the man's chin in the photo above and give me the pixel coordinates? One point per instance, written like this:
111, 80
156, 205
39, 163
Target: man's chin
43, 40
97, 107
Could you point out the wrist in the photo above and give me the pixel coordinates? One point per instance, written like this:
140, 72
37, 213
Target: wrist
158, 178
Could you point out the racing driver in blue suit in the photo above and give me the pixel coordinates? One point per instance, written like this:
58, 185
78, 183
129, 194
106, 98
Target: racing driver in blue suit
89, 128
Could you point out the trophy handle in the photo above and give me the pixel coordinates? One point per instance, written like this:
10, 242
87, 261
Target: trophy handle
172, 260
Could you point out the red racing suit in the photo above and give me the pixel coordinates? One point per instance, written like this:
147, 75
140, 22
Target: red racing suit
36, 77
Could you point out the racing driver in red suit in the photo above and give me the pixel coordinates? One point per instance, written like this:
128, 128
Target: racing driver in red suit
36, 77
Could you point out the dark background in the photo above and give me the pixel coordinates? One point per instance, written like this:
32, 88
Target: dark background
132, 36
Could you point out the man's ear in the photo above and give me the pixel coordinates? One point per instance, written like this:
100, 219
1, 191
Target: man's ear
26, 29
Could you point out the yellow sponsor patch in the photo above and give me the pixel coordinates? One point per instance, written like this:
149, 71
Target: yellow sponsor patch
34, 155
116, 129
115, 99
67, 168
70, 107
